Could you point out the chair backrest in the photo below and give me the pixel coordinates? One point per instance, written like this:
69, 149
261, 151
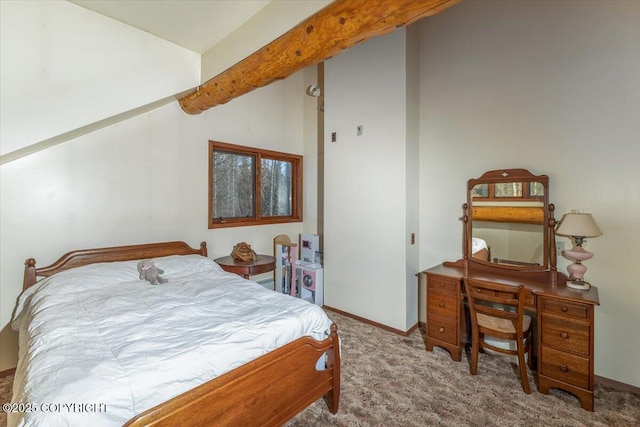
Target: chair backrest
496, 300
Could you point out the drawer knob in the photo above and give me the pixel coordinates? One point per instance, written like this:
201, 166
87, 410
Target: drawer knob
564, 335
441, 285
441, 305
564, 368
441, 329
564, 309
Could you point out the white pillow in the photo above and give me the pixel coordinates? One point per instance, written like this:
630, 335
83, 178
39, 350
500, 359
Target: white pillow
181, 265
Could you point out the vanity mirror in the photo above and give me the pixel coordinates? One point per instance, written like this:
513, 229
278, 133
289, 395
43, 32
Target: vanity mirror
506, 220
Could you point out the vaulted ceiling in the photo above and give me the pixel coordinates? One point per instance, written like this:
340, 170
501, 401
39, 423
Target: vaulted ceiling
196, 25
199, 25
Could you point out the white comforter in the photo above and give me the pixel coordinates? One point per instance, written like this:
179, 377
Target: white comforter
115, 346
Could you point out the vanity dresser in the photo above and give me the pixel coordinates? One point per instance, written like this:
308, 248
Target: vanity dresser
508, 211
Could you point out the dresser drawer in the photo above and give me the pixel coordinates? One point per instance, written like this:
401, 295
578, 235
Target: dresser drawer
442, 329
442, 284
565, 367
442, 304
550, 305
565, 335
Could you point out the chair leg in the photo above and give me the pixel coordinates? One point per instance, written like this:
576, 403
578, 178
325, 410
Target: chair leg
475, 347
523, 367
530, 359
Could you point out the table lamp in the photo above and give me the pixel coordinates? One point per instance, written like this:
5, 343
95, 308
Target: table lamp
578, 225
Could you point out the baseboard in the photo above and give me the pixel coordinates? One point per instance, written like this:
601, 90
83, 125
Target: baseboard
7, 372
372, 323
411, 329
616, 384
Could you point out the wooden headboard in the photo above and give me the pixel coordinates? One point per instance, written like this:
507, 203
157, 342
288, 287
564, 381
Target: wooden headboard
82, 257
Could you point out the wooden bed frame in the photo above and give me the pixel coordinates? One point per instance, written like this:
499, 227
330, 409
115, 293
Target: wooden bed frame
267, 391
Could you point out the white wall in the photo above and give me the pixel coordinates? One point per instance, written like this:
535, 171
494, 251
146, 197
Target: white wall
555, 90
312, 159
142, 180
63, 67
365, 181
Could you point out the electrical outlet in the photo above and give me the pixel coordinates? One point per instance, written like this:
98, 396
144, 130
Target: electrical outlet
413, 238
333, 137
559, 246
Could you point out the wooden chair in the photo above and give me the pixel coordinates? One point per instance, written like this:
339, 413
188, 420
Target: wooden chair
498, 311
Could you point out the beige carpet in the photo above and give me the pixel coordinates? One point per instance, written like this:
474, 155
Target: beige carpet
5, 396
390, 380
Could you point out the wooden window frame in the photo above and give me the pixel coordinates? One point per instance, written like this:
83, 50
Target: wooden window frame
296, 186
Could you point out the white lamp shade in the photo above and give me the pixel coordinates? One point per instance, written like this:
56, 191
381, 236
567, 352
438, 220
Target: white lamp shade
578, 224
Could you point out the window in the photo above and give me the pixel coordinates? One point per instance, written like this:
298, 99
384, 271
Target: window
250, 186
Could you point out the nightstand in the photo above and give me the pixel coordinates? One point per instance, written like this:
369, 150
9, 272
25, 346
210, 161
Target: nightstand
263, 264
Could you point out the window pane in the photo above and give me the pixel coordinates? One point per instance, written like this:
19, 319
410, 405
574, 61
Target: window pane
276, 187
509, 189
233, 185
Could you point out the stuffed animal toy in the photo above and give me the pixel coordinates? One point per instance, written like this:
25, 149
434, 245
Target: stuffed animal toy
148, 271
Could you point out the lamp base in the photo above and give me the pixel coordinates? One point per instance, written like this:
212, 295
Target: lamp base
579, 284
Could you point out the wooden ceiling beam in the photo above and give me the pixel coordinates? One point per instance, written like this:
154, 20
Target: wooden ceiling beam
325, 34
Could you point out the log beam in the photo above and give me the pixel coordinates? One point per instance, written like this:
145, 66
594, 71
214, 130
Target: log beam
327, 33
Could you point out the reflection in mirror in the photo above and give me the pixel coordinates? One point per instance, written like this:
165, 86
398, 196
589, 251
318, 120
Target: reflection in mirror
509, 243
480, 190
509, 189
536, 189
507, 224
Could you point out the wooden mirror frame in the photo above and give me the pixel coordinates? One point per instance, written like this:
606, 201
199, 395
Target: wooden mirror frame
524, 215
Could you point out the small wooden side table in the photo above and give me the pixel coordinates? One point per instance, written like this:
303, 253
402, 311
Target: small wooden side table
263, 264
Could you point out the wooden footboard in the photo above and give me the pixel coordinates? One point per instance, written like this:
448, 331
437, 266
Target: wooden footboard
265, 392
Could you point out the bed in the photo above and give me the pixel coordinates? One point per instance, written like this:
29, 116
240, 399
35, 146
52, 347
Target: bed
99, 346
